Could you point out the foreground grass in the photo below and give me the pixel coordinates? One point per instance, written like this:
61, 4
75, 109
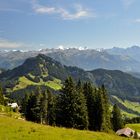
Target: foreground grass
12, 129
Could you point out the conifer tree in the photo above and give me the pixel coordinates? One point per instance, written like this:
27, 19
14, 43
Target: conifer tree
33, 112
44, 108
90, 95
51, 112
24, 104
104, 120
72, 107
107, 114
1, 96
117, 121
79, 86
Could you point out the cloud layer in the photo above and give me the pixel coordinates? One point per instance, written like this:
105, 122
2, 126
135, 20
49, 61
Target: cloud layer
78, 12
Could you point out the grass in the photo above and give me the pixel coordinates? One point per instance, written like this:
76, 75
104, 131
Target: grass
135, 106
132, 105
24, 82
12, 129
53, 85
8, 111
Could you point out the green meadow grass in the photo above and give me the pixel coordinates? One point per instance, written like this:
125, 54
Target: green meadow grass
8, 111
135, 106
24, 82
14, 129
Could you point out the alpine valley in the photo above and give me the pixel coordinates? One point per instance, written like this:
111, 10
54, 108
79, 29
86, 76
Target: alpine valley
46, 72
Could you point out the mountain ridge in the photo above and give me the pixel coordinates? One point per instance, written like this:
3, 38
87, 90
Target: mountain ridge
87, 59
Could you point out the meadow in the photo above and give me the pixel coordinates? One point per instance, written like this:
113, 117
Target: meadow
12, 129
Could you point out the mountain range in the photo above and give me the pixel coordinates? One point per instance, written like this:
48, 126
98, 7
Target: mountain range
49, 73
133, 52
126, 60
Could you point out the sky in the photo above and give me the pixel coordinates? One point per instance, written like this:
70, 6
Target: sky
36, 24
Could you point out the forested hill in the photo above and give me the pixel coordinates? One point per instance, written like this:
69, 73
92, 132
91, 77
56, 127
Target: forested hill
43, 70
44, 67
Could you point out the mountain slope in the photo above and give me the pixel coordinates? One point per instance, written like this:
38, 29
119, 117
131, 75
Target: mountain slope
92, 59
48, 73
118, 83
40, 70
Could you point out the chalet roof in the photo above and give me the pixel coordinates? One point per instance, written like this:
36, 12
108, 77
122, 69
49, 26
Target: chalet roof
128, 132
13, 105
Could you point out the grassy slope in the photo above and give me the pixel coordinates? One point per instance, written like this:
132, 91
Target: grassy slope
24, 82
7, 111
11, 129
130, 105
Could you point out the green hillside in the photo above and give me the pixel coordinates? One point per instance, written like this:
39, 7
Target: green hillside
23, 82
7, 111
11, 129
45, 72
129, 108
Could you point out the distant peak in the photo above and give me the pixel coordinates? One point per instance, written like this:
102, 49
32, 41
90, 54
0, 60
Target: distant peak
135, 47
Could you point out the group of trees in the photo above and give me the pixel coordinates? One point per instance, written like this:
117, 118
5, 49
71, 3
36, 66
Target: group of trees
132, 120
39, 107
79, 106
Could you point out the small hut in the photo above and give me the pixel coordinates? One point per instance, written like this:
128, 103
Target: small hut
126, 132
13, 105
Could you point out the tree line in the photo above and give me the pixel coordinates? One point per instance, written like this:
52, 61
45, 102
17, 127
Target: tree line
80, 106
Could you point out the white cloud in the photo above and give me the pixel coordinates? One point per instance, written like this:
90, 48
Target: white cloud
40, 9
78, 11
6, 44
45, 10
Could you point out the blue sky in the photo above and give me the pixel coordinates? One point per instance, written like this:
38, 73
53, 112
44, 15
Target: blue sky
34, 24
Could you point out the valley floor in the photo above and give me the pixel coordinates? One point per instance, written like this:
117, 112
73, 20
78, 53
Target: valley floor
12, 129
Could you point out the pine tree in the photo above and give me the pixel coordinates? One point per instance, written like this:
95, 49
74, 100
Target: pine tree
44, 108
107, 114
90, 95
104, 120
117, 121
1, 96
72, 107
79, 86
51, 115
33, 112
24, 104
